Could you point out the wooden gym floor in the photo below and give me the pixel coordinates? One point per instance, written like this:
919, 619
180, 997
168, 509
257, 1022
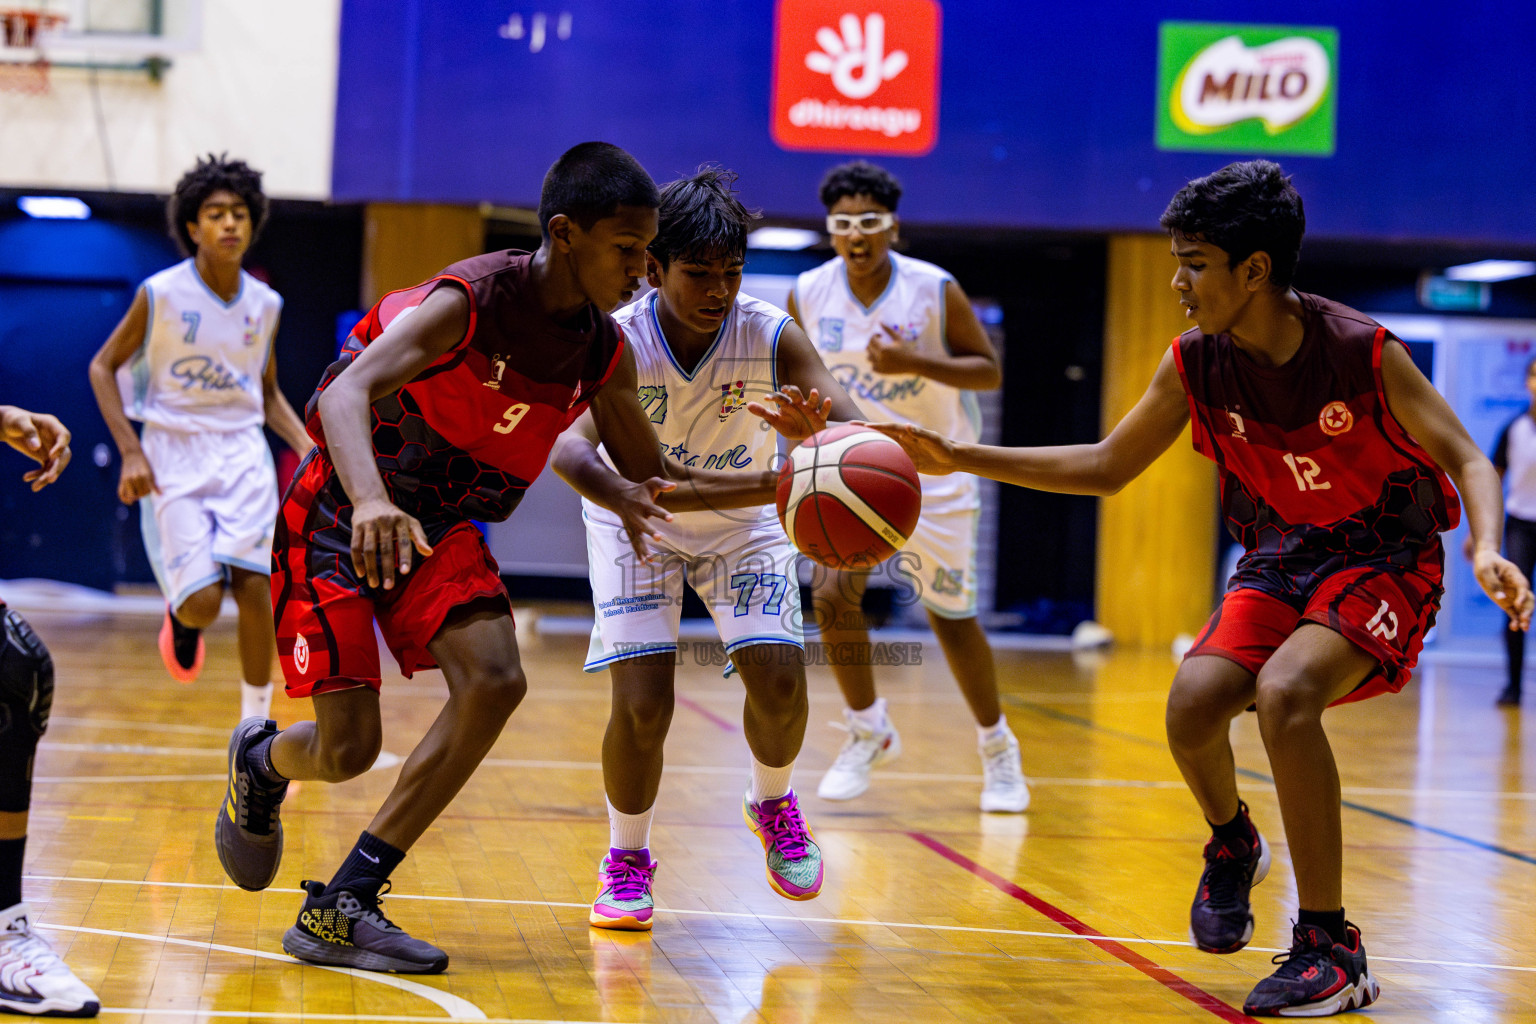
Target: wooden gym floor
932, 911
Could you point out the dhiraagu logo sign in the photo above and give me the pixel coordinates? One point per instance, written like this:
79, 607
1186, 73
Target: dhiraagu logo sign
1247, 88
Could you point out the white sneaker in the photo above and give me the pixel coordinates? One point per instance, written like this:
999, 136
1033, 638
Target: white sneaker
33, 980
1003, 786
862, 750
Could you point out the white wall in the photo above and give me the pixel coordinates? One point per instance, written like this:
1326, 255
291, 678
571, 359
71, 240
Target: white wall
262, 86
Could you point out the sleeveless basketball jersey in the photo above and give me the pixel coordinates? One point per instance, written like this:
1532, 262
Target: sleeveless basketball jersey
465, 438
912, 305
701, 417
201, 364
1316, 473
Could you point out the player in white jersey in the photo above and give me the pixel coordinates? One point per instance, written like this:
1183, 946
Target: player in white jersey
700, 349
900, 335
194, 356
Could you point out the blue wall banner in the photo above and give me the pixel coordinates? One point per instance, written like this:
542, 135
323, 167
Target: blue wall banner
1398, 119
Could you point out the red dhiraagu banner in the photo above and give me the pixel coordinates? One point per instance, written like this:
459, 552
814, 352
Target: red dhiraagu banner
855, 76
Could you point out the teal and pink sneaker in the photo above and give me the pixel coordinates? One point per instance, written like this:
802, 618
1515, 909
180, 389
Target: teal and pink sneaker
793, 858
624, 891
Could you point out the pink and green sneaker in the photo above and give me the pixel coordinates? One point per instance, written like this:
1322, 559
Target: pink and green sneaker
624, 891
793, 858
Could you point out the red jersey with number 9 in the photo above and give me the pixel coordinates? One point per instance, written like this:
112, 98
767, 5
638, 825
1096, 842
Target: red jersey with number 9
1316, 474
465, 437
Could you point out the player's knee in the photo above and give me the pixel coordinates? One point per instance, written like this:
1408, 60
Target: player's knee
1285, 700
349, 756
201, 607
495, 687
647, 715
779, 695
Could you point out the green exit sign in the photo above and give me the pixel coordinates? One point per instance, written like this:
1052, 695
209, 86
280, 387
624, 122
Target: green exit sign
1441, 293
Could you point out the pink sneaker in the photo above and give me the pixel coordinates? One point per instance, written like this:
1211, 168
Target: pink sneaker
624, 891
181, 649
793, 858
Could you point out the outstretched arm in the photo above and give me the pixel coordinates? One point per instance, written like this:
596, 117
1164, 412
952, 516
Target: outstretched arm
1429, 419
1103, 468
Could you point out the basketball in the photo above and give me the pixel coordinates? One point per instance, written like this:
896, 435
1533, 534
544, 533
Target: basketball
849, 497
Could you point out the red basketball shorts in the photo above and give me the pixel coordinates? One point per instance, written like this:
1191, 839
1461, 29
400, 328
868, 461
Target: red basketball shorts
1384, 613
325, 615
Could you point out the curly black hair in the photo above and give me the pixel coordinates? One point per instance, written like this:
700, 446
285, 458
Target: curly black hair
700, 218
860, 178
211, 174
1243, 208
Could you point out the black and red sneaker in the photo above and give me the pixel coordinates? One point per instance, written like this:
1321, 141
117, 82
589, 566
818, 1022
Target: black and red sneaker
1317, 978
1220, 919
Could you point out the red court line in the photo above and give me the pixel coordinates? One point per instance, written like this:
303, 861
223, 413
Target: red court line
1198, 996
699, 709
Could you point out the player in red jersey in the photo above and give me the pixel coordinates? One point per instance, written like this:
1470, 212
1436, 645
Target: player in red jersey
441, 409
1334, 452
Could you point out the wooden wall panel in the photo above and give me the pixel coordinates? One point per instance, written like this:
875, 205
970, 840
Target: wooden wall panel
406, 243
1156, 564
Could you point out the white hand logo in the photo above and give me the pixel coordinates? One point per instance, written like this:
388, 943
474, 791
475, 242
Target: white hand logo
857, 61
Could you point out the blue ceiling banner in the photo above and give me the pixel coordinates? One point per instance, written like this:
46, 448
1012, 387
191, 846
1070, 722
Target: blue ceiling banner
1405, 120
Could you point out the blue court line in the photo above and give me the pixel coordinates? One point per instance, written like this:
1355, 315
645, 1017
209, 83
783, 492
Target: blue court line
1249, 773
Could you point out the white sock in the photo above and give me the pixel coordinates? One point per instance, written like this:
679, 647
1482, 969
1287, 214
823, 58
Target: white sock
255, 700
767, 782
629, 831
990, 733
871, 718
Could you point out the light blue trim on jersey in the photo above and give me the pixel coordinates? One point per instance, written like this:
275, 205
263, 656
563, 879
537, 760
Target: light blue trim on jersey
266, 360
773, 359
138, 363
215, 296
944, 313
264, 570
666, 346
744, 641
972, 406
889, 285
638, 652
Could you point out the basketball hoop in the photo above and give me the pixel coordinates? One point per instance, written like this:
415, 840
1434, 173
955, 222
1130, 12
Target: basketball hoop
23, 68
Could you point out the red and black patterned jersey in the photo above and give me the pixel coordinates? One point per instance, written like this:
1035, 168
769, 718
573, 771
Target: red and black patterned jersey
1316, 473
465, 438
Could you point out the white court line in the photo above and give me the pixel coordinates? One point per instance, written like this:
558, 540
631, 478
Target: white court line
118, 723
749, 916
456, 1007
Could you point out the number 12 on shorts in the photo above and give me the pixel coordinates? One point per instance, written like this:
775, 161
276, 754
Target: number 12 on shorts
746, 582
1383, 623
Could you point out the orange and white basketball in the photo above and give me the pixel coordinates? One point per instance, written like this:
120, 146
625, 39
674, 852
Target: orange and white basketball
849, 497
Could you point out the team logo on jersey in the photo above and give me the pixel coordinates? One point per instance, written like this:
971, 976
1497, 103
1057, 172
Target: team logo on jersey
498, 367
831, 334
252, 331
301, 653
732, 397
1238, 427
1335, 418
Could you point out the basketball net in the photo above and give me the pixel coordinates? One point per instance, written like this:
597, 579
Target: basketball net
23, 68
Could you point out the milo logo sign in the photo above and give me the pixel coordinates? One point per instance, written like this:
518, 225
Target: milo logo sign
1246, 88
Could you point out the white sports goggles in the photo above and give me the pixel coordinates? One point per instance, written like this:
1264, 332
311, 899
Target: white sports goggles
859, 223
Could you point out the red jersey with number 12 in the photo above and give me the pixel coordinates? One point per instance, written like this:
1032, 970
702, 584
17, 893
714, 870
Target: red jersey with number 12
466, 436
1316, 473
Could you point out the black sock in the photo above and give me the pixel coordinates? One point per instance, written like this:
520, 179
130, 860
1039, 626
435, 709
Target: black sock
11, 851
1330, 921
1238, 828
258, 758
367, 867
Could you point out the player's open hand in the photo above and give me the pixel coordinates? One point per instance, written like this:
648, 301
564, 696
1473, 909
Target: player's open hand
796, 416
889, 354
383, 538
635, 505
1506, 584
931, 453
41, 438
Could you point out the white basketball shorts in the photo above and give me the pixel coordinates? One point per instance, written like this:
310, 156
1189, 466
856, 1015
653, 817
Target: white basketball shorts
216, 507
744, 574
